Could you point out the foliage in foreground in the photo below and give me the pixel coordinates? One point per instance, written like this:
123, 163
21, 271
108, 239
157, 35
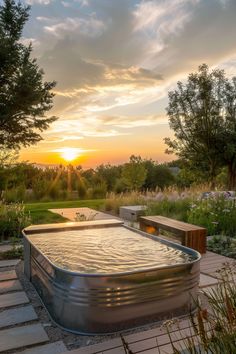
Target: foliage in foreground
224, 245
13, 218
14, 253
217, 214
213, 328
174, 209
212, 325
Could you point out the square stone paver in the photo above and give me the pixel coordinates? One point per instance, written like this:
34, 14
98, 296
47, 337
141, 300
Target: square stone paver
19, 315
206, 280
8, 275
5, 248
24, 336
83, 213
9, 263
52, 348
10, 285
13, 299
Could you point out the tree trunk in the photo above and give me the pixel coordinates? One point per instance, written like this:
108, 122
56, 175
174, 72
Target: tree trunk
231, 177
212, 184
212, 175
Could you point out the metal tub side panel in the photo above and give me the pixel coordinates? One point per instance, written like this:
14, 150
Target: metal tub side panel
102, 304
27, 257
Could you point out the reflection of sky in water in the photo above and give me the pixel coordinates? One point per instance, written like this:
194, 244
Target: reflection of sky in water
105, 250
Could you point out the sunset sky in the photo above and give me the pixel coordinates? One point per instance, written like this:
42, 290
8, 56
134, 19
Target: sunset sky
114, 62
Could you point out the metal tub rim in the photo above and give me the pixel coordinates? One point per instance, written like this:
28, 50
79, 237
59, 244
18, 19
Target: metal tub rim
118, 274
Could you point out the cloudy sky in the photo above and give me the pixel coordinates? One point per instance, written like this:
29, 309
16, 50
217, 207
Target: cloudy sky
114, 62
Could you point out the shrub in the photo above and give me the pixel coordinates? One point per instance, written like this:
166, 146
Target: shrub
15, 252
99, 191
224, 245
39, 187
216, 213
13, 219
15, 195
82, 189
176, 209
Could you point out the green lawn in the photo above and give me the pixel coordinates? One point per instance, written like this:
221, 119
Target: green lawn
41, 215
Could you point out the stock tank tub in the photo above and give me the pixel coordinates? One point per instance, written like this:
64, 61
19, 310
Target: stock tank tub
101, 276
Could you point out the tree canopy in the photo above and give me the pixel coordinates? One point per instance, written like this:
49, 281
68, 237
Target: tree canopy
202, 113
24, 97
134, 173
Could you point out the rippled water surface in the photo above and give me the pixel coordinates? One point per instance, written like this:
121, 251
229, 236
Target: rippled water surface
106, 250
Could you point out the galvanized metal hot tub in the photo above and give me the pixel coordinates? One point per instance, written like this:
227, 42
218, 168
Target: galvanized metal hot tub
96, 301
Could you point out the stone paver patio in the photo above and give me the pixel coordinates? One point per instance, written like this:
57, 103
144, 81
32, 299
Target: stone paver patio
19, 337
15, 316
20, 327
8, 275
146, 342
86, 213
13, 299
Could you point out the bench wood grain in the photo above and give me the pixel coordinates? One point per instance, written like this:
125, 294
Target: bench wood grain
191, 235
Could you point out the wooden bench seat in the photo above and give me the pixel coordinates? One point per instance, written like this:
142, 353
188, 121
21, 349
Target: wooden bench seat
191, 235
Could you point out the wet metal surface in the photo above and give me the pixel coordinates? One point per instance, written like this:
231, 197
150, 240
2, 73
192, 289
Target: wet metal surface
101, 303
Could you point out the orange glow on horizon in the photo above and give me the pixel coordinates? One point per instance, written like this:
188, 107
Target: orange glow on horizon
96, 151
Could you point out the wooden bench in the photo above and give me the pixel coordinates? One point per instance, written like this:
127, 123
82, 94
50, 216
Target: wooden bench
191, 235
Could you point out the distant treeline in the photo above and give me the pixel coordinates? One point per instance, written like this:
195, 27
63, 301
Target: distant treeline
26, 182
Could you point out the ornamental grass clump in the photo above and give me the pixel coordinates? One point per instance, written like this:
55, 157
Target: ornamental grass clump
113, 201
174, 208
212, 326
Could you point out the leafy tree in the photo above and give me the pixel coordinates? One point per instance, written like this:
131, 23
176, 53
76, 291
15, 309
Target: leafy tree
109, 174
157, 175
228, 137
187, 173
202, 114
82, 189
8, 156
134, 173
24, 97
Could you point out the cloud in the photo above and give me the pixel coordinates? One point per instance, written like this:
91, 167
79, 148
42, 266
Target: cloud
78, 129
46, 19
133, 121
27, 41
69, 3
98, 126
162, 16
112, 59
40, 2
209, 36
74, 150
90, 26
229, 66
57, 139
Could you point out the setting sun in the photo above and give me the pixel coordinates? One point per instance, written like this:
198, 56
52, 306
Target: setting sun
69, 154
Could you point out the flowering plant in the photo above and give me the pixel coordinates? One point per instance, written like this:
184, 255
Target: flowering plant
217, 213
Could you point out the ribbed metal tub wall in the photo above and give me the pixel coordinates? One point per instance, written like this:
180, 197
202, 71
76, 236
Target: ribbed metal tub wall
94, 303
